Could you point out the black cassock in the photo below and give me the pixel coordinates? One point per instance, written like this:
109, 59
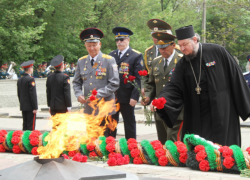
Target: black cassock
214, 114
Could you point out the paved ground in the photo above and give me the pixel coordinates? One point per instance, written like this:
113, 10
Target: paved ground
11, 121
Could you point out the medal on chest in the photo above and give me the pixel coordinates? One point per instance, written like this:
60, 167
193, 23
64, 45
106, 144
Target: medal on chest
124, 68
100, 72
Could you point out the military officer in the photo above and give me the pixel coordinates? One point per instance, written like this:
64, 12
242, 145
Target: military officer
26, 91
38, 71
129, 62
72, 70
44, 72
155, 25
21, 71
162, 69
95, 71
58, 88
3, 71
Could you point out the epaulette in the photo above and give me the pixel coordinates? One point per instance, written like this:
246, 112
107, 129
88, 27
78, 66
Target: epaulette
106, 56
66, 74
177, 47
157, 57
149, 48
84, 57
136, 51
180, 55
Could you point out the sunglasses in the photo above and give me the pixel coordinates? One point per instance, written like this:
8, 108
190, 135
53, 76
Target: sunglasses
122, 39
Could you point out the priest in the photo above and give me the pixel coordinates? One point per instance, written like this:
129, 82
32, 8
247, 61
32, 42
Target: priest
209, 83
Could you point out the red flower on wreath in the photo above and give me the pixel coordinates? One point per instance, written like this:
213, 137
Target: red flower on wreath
80, 158
204, 165
227, 152
2, 139
94, 92
156, 144
228, 162
199, 148
183, 158
137, 160
17, 133
160, 152
163, 160
112, 154
132, 146
201, 155
65, 156
16, 149
131, 78
143, 72
221, 149
248, 150
90, 147
2, 149
159, 103
34, 141
131, 140
92, 154
120, 161
110, 147
118, 155
3, 132
15, 140
34, 151
72, 153
110, 139
181, 149
127, 160
111, 161
135, 153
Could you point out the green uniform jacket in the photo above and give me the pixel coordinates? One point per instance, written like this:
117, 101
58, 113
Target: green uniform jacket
158, 77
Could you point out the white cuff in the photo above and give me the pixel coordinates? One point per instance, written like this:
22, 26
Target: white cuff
68, 108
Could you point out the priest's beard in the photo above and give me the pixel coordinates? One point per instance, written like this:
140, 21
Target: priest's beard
191, 55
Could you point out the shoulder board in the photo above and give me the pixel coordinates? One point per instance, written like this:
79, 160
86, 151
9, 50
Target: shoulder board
149, 48
157, 57
84, 57
136, 51
66, 74
113, 51
106, 56
180, 55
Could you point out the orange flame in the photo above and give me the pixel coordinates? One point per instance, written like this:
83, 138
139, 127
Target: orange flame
72, 129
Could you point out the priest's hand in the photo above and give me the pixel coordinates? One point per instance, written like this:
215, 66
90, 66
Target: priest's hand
34, 111
145, 101
81, 99
152, 108
143, 92
132, 102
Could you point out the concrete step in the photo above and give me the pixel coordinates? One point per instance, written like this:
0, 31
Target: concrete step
38, 116
4, 114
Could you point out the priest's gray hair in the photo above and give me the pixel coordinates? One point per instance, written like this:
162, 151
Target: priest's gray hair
198, 37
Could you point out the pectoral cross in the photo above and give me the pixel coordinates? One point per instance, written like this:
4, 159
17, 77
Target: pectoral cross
198, 89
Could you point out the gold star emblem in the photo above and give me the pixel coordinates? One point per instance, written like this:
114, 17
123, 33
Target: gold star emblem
155, 21
160, 42
159, 34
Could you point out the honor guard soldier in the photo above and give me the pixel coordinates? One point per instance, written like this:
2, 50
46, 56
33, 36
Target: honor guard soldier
3, 71
21, 71
26, 91
247, 73
95, 71
58, 88
129, 62
44, 72
72, 70
38, 71
162, 69
155, 25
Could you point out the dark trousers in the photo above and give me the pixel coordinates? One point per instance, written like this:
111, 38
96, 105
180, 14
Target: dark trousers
128, 116
29, 120
53, 112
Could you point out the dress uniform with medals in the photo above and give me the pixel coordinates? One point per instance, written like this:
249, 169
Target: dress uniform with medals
162, 70
26, 91
3, 72
58, 89
72, 70
129, 62
99, 72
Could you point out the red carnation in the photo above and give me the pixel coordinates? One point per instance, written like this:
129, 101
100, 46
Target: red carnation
199, 148
72, 153
223, 148
131, 78
135, 153
183, 158
34, 151
112, 154
131, 140
92, 98
156, 144
137, 160
163, 160
16, 149
92, 154
120, 161
17, 133
227, 152
201, 155
65, 156
143, 73
80, 158
84, 158
118, 155
160, 152
204, 165
110, 147
90, 147
124, 76
125, 81
2, 149
140, 72
127, 160
2, 139
3, 132
181, 149
110, 139
228, 162
248, 150
161, 102
15, 140
94, 92
155, 102
34, 141
132, 146
111, 162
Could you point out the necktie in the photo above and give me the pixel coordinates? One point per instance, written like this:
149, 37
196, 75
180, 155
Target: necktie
92, 62
120, 54
166, 64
